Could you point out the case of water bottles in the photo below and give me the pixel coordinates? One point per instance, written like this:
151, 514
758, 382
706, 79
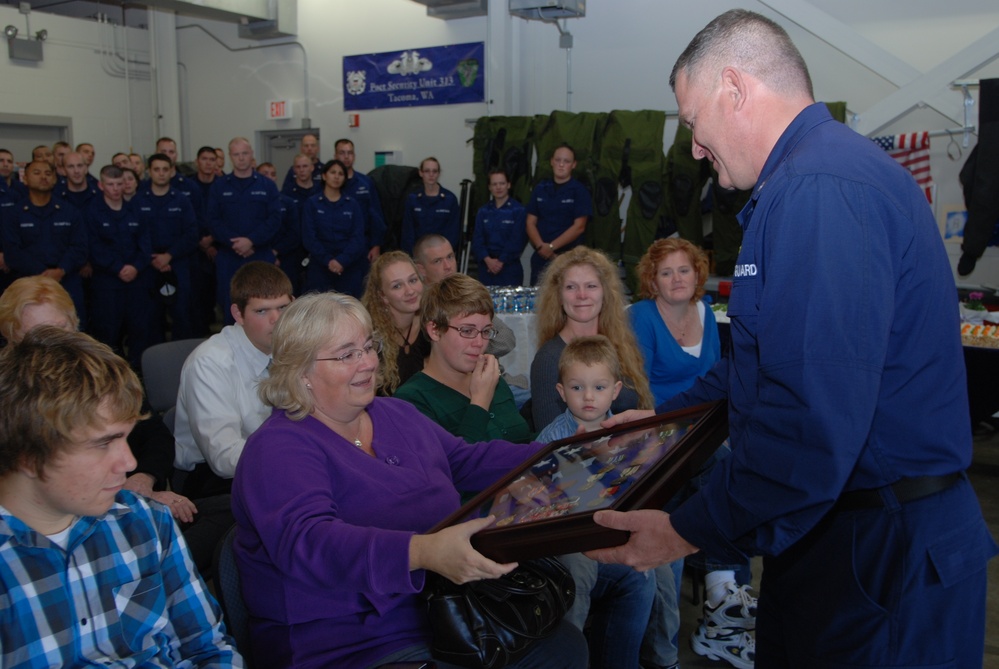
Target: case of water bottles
513, 299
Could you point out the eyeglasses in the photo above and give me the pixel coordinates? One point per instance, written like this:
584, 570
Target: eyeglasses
469, 332
354, 355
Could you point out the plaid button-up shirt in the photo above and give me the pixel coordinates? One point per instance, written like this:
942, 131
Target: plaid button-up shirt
125, 594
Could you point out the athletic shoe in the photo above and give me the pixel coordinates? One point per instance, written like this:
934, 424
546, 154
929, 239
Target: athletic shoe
735, 646
736, 612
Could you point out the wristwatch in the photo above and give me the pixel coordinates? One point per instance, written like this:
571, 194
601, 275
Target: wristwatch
551, 247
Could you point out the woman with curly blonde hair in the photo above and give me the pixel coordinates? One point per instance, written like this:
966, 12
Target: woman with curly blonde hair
392, 297
579, 295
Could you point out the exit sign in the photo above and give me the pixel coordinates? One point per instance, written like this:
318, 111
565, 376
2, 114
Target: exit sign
278, 109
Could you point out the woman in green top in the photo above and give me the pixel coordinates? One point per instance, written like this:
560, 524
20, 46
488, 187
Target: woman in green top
460, 386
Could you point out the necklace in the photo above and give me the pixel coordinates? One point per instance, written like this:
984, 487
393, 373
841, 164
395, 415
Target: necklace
404, 333
677, 329
360, 430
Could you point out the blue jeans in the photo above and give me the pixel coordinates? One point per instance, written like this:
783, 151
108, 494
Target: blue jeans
659, 647
618, 600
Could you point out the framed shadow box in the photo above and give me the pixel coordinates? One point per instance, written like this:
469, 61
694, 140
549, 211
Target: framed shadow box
546, 505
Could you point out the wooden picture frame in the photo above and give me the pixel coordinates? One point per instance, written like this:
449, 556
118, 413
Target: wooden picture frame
545, 506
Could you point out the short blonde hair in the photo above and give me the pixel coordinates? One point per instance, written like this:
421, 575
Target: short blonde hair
649, 264
55, 382
453, 296
595, 350
31, 290
310, 323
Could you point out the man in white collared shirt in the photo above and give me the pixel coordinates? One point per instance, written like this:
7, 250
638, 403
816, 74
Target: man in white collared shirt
217, 404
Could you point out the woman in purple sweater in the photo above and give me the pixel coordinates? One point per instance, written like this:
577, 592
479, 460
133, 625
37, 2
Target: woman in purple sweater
333, 497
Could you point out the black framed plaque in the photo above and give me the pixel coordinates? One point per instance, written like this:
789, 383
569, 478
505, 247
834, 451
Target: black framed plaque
545, 506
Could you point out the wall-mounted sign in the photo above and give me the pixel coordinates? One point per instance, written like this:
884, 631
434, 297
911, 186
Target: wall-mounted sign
441, 75
278, 109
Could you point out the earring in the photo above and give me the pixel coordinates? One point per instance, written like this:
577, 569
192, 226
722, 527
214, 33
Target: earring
309, 386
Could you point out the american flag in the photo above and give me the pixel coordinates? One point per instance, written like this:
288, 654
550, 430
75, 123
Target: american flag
912, 151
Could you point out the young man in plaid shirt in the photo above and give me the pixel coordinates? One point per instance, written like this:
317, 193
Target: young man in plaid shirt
89, 572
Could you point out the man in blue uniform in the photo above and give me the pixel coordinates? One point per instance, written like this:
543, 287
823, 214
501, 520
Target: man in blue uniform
846, 385
203, 263
173, 230
45, 235
244, 217
121, 287
557, 212
76, 190
310, 149
362, 188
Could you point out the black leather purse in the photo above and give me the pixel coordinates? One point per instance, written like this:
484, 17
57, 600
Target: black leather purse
492, 623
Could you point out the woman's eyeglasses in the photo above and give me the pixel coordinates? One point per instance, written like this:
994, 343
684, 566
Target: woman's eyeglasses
469, 332
354, 355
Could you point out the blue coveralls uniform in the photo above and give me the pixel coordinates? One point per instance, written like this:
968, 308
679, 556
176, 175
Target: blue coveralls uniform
79, 199
500, 233
241, 207
8, 198
362, 188
845, 374
119, 308
317, 177
334, 231
288, 244
425, 214
52, 236
173, 228
557, 207
202, 268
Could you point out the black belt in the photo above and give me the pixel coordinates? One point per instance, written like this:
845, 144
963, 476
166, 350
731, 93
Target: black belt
906, 490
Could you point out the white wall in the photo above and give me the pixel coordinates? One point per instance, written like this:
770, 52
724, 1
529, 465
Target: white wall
70, 81
623, 51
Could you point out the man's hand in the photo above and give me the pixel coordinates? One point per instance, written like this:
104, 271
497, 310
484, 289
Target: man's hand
161, 261
335, 267
626, 417
493, 265
242, 246
56, 273
128, 273
546, 251
373, 253
653, 540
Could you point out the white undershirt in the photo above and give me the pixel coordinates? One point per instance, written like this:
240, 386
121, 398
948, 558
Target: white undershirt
695, 350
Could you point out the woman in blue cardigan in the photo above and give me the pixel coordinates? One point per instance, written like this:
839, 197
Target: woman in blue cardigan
675, 329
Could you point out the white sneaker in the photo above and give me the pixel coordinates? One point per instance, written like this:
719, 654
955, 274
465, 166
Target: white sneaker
736, 611
735, 646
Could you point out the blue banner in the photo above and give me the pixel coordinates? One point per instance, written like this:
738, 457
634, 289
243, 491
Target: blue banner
440, 75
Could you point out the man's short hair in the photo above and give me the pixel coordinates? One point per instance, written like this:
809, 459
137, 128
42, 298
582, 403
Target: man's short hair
166, 139
454, 296
28, 291
238, 140
61, 143
342, 140
111, 172
425, 242
159, 156
53, 383
8, 152
205, 149
594, 350
258, 279
83, 144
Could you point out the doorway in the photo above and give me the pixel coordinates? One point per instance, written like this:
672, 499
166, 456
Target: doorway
281, 147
